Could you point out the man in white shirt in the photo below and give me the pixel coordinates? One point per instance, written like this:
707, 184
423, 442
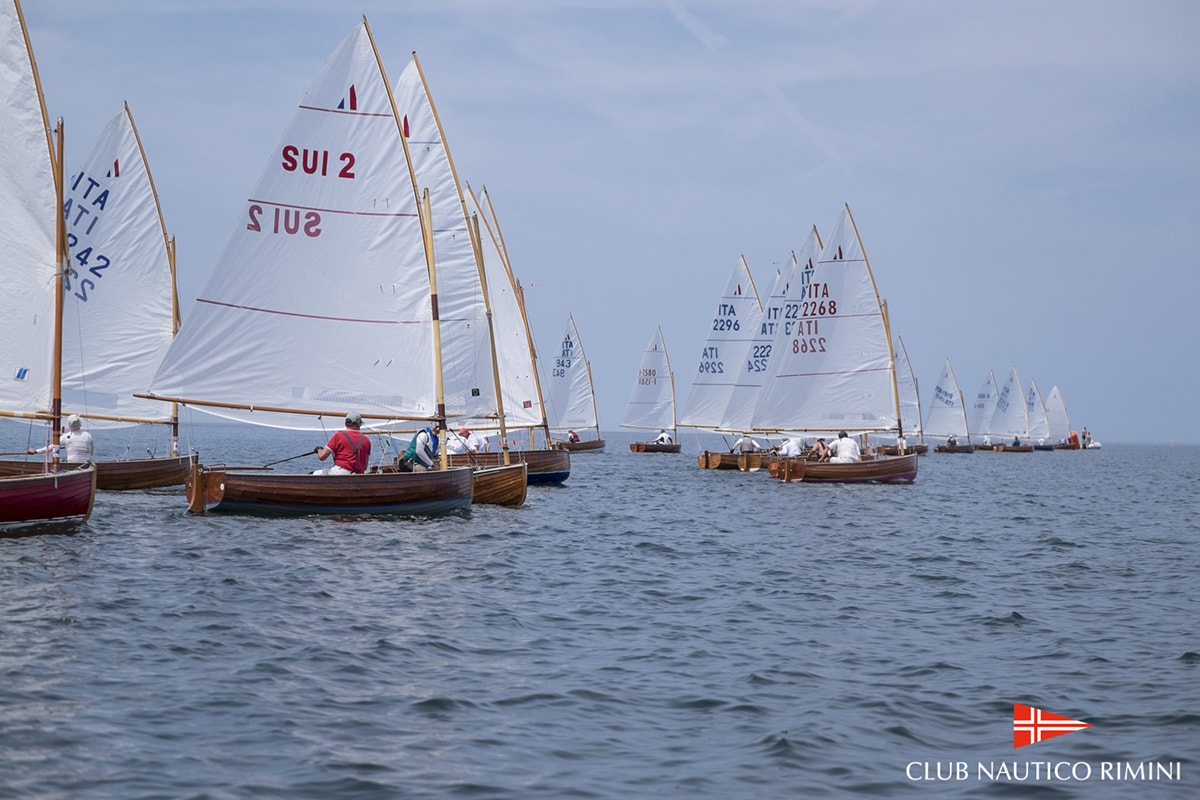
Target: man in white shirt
791, 448
76, 444
462, 442
844, 449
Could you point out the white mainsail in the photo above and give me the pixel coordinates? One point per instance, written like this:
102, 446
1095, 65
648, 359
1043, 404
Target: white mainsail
320, 300
979, 417
751, 372
465, 348
29, 208
652, 401
519, 386
1056, 412
1010, 419
734, 324
120, 307
1039, 419
947, 411
910, 397
570, 397
837, 371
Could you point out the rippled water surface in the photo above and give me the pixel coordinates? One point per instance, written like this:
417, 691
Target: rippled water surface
648, 629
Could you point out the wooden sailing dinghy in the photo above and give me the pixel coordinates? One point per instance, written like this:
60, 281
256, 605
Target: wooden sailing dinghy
570, 395
32, 271
652, 400
302, 282
837, 372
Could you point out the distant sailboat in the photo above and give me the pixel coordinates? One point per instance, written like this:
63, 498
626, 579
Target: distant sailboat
652, 400
570, 396
1060, 421
32, 270
979, 415
947, 417
1039, 418
307, 316
1010, 419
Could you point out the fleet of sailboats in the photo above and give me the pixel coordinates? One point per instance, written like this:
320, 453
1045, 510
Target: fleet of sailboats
430, 330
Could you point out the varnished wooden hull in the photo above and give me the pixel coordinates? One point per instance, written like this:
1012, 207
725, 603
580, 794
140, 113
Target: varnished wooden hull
892, 469
543, 466
1008, 448
713, 459
954, 448
586, 446
654, 447
221, 489
55, 497
893, 450
134, 473
502, 485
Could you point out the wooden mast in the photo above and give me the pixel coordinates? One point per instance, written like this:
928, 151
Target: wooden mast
60, 255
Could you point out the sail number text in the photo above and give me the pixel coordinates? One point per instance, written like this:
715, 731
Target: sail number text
710, 362
647, 377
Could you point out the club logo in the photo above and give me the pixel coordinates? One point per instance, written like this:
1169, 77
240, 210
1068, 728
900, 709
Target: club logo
1032, 725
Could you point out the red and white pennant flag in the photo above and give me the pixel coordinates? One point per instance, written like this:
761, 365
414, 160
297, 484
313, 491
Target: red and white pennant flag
1032, 725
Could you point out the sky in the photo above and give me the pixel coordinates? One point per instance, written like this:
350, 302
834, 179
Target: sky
1025, 175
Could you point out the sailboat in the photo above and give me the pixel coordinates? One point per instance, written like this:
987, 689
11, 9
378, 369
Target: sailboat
910, 404
1060, 422
652, 401
570, 396
733, 325
839, 372
983, 407
323, 301
33, 240
467, 351
948, 415
1039, 418
1010, 419
121, 309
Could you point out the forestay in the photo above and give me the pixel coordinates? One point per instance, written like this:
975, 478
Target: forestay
320, 299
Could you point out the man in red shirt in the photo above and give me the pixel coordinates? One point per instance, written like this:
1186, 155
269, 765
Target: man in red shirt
350, 448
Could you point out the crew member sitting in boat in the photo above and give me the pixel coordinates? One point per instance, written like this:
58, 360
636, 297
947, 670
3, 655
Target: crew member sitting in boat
951, 440
461, 443
572, 437
350, 448
663, 437
820, 450
844, 450
76, 444
1016, 441
421, 452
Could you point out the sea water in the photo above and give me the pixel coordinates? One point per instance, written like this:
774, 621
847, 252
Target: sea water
647, 629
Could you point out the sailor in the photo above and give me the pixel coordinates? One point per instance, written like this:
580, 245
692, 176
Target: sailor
844, 450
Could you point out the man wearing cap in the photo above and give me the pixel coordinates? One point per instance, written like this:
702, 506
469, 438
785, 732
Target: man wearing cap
350, 448
461, 442
76, 442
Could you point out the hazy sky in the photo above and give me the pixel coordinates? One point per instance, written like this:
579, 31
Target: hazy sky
1025, 175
